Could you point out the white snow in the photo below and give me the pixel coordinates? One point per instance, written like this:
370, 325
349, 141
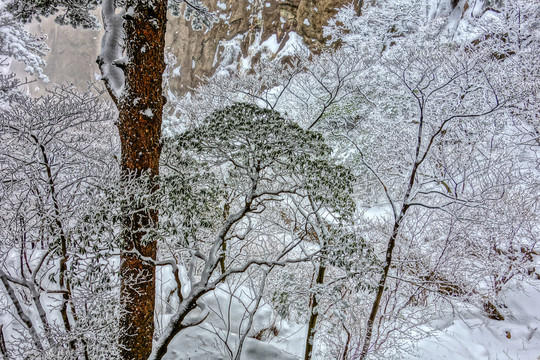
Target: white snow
202, 343
228, 320
294, 45
229, 55
472, 337
148, 113
111, 47
479, 338
271, 44
221, 5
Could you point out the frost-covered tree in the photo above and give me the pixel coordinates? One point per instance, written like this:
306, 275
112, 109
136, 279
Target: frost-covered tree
437, 114
16, 43
234, 189
447, 156
56, 153
132, 63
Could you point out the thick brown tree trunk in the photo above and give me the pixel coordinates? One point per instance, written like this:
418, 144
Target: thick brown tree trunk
139, 124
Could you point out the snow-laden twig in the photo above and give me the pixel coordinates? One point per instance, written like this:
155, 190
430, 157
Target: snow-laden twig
20, 312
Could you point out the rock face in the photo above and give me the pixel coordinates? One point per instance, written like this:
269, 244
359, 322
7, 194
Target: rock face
242, 27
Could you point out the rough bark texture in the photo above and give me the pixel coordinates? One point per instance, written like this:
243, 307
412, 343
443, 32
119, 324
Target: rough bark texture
314, 314
380, 288
139, 124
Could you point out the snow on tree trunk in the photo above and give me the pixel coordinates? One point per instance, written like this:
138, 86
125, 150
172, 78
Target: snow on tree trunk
314, 314
140, 105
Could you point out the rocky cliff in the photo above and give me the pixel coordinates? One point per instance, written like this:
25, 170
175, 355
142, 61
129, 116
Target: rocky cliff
245, 31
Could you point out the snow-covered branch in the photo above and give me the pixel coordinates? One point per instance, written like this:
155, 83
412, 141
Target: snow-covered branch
112, 49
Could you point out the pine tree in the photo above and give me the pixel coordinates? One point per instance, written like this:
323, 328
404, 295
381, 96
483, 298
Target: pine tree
132, 63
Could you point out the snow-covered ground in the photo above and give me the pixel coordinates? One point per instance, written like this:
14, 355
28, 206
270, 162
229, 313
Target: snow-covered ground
228, 319
476, 337
457, 337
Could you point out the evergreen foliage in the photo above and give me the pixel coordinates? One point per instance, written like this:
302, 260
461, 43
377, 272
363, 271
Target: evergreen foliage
243, 140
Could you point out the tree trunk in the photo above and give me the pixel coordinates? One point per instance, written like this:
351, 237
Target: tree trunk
381, 286
139, 124
314, 314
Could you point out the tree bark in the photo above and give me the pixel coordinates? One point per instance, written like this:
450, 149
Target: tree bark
380, 288
140, 109
314, 314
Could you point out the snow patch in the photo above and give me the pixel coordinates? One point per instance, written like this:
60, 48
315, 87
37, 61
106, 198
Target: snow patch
148, 113
479, 338
221, 5
271, 44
